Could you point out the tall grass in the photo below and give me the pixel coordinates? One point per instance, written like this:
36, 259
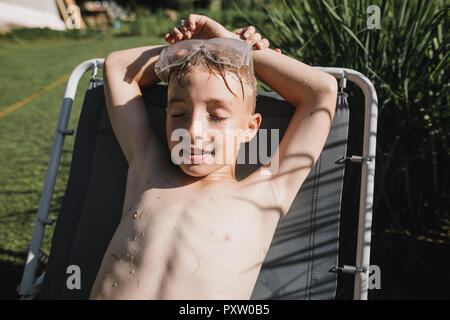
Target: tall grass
407, 59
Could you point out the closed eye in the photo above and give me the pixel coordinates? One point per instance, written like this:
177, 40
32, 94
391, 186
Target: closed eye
217, 119
213, 118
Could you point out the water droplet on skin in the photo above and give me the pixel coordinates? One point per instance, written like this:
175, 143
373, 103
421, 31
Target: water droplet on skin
115, 284
135, 238
131, 271
135, 215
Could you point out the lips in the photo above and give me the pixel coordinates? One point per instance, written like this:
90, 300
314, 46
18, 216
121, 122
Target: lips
197, 151
196, 154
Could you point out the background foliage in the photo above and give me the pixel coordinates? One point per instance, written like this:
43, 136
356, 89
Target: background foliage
407, 59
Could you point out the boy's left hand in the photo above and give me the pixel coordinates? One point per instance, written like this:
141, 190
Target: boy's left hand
203, 27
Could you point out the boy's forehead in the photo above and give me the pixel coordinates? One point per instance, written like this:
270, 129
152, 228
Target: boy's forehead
206, 86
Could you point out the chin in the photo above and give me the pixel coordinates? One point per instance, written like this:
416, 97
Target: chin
197, 170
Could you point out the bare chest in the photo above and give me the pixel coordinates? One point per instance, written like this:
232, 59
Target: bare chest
220, 209
222, 216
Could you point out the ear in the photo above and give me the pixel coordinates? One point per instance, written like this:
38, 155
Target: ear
252, 128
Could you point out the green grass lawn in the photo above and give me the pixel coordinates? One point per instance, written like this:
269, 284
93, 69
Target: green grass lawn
26, 136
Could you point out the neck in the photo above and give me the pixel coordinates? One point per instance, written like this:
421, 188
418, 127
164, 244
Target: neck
226, 173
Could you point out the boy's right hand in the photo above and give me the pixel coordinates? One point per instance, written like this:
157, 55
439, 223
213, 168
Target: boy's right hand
203, 27
198, 27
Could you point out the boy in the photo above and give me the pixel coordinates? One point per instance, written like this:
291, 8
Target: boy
191, 230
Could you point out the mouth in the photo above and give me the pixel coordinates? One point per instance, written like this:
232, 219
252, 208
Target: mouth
196, 153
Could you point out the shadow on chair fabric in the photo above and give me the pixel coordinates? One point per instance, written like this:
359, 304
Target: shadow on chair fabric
305, 245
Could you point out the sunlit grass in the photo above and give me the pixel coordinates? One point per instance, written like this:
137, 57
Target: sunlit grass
26, 135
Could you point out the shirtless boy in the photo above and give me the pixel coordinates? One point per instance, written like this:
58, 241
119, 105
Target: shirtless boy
192, 230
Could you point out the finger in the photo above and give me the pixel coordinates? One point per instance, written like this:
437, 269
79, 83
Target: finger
238, 32
192, 21
184, 25
169, 38
263, 44
184, 28
187, 35
255, 38
249, 32
177, 33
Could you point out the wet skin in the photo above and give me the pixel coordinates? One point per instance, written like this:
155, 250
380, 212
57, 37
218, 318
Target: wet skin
190, 231
185, 241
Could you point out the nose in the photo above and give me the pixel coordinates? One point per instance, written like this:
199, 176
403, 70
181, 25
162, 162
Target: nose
196, 127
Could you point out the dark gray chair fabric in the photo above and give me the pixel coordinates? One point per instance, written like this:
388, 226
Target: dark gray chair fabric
305, 245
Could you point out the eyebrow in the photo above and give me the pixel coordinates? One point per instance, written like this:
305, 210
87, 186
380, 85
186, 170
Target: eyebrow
176, 99
214, 101
220, 103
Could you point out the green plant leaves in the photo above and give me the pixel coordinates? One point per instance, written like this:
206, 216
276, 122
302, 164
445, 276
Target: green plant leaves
407, 59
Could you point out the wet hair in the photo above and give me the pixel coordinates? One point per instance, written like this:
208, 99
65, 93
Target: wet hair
199, 59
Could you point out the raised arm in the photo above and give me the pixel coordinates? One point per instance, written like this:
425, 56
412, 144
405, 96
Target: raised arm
124, 72
313, 93
298, 83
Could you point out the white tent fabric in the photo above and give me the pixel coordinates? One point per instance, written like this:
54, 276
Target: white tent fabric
31, 14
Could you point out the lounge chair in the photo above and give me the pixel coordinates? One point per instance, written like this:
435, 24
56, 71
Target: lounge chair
302, 262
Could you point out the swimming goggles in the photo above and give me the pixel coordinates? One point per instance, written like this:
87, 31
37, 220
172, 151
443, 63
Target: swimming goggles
232, 52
